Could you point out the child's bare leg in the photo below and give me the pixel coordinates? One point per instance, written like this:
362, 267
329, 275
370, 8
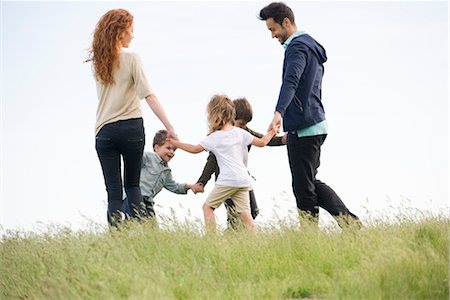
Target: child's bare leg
210, 218
248, 221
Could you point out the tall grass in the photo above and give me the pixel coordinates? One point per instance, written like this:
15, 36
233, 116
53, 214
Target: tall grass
405, 260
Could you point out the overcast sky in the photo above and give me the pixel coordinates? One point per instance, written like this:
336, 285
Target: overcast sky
385, 93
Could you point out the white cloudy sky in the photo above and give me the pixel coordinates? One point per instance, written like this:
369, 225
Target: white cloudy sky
385, 92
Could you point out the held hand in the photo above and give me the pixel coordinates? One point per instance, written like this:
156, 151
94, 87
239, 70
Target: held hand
172, 141
273, 131
276, 122
278, 128
197, 188
171, 134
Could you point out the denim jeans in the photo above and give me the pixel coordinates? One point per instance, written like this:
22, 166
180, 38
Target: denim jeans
148, 202
310, 193
122, 139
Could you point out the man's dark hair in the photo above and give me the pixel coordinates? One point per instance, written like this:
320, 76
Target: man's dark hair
160, 138
277, 11
243, 110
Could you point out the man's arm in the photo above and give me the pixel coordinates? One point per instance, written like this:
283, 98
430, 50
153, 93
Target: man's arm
295, 63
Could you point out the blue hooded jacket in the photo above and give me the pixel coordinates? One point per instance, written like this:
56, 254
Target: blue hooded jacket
300, 99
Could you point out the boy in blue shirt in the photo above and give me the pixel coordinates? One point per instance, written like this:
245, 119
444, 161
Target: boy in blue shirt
156, 175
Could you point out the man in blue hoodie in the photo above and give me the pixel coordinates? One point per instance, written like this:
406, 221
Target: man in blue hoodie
300, 107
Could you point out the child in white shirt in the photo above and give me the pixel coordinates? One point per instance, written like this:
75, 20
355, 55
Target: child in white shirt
229, 145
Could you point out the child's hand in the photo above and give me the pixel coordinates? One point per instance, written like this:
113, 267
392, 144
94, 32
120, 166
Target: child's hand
197, 188
273, 131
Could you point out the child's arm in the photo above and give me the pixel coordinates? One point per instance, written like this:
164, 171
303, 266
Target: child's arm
186, 147
274, 141
261, 142
173, 186
209, 169
180, 188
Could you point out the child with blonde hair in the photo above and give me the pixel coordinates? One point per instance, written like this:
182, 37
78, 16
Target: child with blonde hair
244, 114
229, 145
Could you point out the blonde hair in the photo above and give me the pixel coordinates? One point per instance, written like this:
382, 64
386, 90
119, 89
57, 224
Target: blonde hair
105, 49
220, 111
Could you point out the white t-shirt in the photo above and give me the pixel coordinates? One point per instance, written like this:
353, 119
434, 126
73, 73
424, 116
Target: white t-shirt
230, 148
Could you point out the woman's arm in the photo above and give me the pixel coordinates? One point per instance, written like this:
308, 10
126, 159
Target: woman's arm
158, 110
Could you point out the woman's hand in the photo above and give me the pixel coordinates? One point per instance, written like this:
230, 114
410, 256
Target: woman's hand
171, 134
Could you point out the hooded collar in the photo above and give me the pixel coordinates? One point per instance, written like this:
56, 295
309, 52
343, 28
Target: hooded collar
294, 35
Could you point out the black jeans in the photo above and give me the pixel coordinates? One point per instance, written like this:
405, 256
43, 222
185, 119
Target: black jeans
124, 139
310, 193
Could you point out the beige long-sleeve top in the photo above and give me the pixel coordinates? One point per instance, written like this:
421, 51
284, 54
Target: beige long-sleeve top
121, 100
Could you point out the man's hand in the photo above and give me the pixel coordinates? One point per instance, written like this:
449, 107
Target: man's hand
276, 122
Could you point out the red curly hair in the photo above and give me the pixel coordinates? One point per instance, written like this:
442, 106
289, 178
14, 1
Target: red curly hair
106, 43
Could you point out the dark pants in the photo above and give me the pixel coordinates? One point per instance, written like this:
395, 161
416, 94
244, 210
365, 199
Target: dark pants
233, 218
123, 139
310, 193
148, 207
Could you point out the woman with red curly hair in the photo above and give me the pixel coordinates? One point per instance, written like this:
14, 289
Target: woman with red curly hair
121, 84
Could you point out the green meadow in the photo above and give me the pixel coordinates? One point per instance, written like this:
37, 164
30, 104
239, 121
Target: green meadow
406, 259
